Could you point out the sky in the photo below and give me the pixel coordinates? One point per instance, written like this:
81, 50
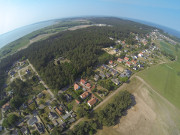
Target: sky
18, 13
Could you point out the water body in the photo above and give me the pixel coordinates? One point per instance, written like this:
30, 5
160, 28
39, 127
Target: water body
164, 28
11, 36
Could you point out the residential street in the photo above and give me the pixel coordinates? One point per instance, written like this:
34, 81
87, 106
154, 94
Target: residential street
41, 81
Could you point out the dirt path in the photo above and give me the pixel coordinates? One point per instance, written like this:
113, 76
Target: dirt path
41, 81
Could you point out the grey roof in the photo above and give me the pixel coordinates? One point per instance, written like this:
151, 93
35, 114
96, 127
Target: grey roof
66, 116
32, 121
72, 120
53, 115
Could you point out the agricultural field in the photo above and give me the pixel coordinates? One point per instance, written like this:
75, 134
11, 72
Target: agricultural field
165, 78
151, 114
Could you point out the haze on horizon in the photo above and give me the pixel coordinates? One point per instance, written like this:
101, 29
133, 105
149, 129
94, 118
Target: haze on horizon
18, 13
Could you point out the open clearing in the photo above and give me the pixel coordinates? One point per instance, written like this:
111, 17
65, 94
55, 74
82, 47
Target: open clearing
152, 114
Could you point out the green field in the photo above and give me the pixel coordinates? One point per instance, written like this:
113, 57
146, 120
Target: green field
165, 78
164, 46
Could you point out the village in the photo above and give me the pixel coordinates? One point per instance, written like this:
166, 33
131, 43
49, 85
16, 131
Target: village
44, 110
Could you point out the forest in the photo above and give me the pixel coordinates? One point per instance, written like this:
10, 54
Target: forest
81, 47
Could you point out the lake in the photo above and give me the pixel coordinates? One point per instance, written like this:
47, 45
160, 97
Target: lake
11, 36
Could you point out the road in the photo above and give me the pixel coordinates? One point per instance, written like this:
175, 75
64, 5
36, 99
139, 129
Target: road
41, 81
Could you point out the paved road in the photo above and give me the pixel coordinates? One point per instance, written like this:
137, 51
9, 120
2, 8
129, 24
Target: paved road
41, 81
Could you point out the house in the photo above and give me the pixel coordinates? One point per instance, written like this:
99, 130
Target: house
88, 85
32, 121
84, 89
55, 123
115, 81
114, 72
68, 97
84, 95
6, 107
77, 101
140, 54
72, 120
140, 65
127, 72
82, 82
59, 110
126, 59
101, 74
96, 77
134, 62
12, 73
14, 132
53, 115
76, 86
66, 115
23, 106
25, 130
120, 60
28, 71
135, 68
115, 50
30, 102
111, 62
40, 95
40, 127
105, 67
108, 75
50, 127
128, 64
92, 101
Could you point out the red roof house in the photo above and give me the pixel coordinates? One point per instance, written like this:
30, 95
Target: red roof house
82, 82
88, 85
78, 102
84, 95
92, 101
59, 110
5, 107
133, 62
128, 64
120, 60
110, 62
126, 58
76, 86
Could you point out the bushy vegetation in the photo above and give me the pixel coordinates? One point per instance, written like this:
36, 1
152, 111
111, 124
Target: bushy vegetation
108, 84
84, 128
108, 115
10, 121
